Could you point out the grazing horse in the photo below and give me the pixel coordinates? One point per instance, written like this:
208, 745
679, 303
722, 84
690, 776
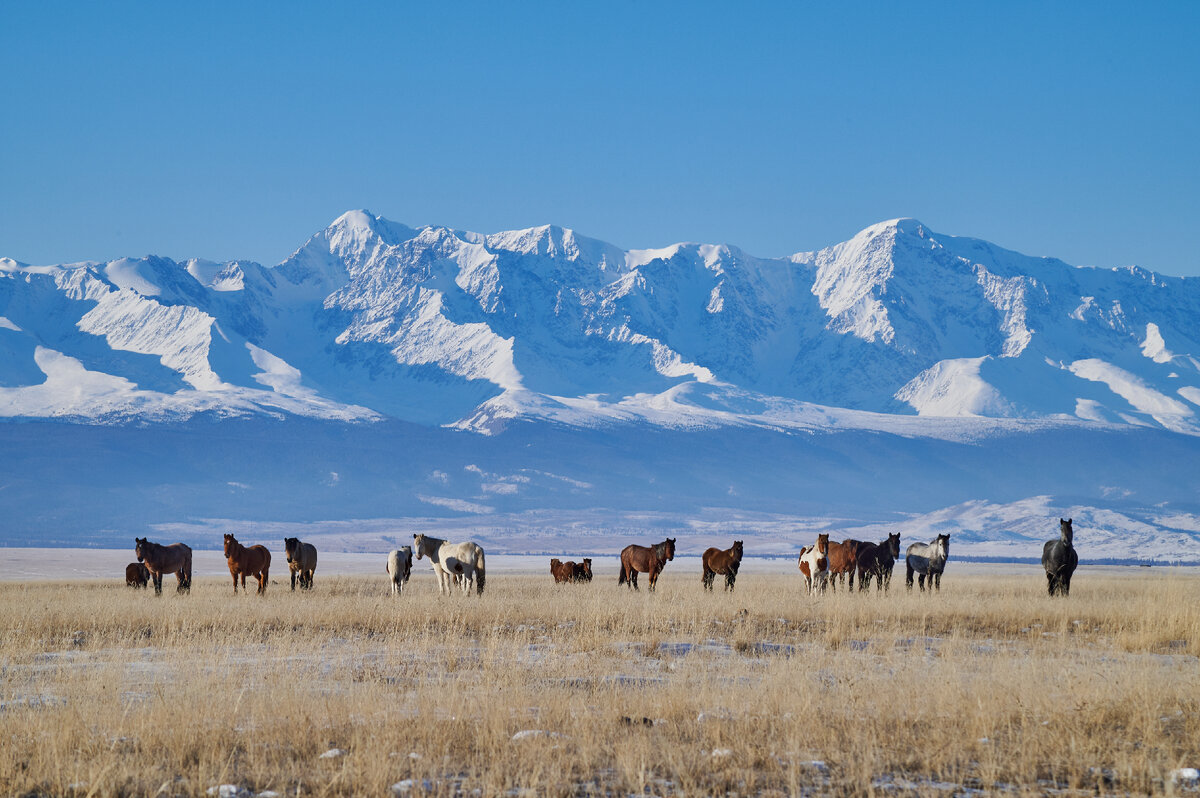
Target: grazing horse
302, 561
878, 560
136, 575
399, 568
159, 560
725, 562
648, 559
1059, 559
814, 564
843, 560
454, 563
928, 560
255, 561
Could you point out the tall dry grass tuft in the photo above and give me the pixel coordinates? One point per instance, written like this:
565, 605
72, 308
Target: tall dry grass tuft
990, 684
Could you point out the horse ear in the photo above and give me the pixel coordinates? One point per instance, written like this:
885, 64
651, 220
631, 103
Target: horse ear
1069, 520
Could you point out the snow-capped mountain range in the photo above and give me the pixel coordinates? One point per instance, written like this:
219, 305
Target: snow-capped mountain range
898, 329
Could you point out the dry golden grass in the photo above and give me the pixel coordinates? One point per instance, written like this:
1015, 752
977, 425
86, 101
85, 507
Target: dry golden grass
990, 685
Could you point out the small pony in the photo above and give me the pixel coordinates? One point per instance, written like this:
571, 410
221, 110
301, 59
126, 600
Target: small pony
647, 559
843, 561
399, 568
302, 561
255, 561
136, 575
717, 561
454, 563
1060, 559
927, 560
878, 560
159, 560
814, 564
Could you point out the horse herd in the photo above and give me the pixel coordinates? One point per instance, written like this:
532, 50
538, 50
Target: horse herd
462, 565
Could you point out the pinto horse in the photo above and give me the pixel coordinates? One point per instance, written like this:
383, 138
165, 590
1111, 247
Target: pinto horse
648, 559
159, 560
843, 561
878, 560
1059, 559
255, 561
302, 561
725, 562
136, 575
814, 564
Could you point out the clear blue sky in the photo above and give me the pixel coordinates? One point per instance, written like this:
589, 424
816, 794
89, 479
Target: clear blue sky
236, 130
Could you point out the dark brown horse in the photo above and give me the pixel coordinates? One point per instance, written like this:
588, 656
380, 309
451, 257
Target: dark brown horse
136, 575
725, 562
255, 561
302, 561
159, 560
583, 570
843, 561
878, 560
648, 559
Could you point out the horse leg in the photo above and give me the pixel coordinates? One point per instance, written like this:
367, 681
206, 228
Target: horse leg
157, 577
705, 582
633, 574
262, 582
937, 583
730, 578
234, 575
908, 576
1065, 585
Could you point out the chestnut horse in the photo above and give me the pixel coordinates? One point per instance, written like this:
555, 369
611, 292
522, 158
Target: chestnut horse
649, 559
571, 571
255, 561
843, 561
136, 575
159, 560
814, 564
878, 560
724, 562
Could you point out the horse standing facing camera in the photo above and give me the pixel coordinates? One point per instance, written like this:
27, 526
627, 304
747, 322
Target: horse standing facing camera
1059, 559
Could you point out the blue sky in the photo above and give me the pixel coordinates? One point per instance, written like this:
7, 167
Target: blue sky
236, 130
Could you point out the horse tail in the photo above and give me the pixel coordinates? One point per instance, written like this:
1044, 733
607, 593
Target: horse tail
479, 571
621, 577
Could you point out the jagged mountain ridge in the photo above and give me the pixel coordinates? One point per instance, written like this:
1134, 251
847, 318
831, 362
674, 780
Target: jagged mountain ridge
371, 319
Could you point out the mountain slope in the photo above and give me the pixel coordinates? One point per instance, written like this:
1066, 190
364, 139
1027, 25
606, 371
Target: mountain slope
371, 319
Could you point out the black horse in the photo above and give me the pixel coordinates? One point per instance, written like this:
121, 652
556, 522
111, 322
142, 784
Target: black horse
878, 560
1059, 559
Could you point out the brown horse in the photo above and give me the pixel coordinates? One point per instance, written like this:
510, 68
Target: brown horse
648, 559
725, 562
843, 560
571, 571
159, 560
878, 560
583, 570
136, 575
255, 561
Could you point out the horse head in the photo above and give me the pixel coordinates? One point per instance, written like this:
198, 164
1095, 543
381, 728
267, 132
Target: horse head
670, 548
737, 551
230, 543
419, 545
139, 545
943, 545
292, 547
823, 544
893, 544
1066, 531
586, 567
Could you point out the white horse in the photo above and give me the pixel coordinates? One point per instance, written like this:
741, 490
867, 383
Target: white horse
454, 563
399, 568
928, 560
814, 564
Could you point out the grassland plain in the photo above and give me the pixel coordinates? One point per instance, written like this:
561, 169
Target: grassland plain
988, 687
